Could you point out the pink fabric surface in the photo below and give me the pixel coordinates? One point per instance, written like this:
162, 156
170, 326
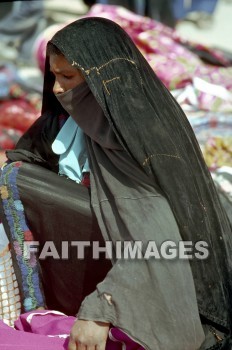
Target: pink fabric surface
49, 330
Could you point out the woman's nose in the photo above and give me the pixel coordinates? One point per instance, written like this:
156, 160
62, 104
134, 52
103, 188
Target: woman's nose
57, 89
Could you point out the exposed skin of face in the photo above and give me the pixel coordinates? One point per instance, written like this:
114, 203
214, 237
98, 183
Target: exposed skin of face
67, 77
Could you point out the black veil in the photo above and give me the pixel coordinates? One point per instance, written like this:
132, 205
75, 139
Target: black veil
154, 130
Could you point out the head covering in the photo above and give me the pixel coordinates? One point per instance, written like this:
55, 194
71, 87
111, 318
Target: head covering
156, 188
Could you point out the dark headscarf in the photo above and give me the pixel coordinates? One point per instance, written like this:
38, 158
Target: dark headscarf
156, 188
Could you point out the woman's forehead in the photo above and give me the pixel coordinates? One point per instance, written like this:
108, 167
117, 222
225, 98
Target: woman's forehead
59, 64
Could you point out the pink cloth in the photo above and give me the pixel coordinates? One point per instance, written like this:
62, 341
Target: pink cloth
49, 330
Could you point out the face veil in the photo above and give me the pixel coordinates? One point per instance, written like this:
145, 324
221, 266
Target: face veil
172, 188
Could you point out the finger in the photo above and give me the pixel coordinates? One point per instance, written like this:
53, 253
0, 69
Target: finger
82, 347
72, 345
101, 346
91, 347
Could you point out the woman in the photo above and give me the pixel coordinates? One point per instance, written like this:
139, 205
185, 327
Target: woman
148, 182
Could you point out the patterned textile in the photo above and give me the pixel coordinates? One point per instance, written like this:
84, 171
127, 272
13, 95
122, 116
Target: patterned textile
14, 211
223, 181
213, 132
223, 178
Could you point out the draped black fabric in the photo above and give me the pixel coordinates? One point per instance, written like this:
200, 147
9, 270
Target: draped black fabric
62, 216
154, 130
58, 210
157, 187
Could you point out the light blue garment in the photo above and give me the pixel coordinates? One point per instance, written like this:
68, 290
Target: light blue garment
70, 145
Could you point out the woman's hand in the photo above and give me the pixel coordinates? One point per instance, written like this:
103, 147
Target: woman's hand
88, 335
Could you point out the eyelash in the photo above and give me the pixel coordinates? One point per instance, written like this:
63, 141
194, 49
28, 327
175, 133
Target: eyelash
67, 77
64, 76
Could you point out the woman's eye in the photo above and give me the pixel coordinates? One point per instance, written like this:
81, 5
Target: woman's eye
67, 76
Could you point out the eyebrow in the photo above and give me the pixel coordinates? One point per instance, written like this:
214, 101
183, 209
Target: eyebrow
67, 71
55, 71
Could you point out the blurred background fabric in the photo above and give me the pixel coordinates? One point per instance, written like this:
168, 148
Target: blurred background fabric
186, 42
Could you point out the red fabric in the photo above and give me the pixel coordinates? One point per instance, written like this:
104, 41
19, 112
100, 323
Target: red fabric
17, 114
86, 180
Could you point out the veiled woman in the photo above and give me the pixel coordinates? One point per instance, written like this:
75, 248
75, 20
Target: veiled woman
105, 113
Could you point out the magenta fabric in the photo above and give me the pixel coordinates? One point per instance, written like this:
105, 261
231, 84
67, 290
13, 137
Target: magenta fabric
120, 338
49, 330
11, 339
